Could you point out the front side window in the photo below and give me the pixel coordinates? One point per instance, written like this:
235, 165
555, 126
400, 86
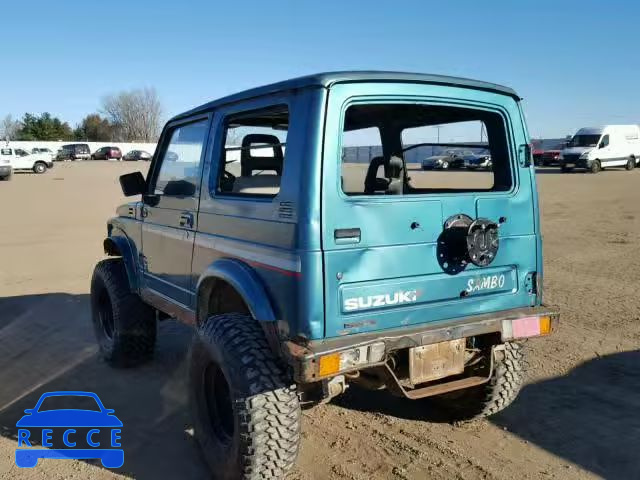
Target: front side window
179, 173
605, 141
421, 149
254, 153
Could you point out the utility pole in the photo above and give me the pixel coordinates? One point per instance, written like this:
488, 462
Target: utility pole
437, 127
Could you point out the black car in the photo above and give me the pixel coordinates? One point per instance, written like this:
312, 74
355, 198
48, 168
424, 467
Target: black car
138, 155
74, 151
452, 158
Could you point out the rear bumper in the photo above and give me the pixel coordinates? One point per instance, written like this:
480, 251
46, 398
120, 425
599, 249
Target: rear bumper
375, 347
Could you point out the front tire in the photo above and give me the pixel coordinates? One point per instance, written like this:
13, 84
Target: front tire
124, 325
495, 395
245, 409
595, 166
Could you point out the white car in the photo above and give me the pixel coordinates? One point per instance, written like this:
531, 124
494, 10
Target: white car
20, 159
597, 148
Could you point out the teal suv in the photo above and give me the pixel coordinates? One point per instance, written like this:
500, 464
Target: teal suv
293, 226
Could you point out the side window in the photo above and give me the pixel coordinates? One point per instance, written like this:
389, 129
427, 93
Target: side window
254, 152
604, 142
179, 173
359, 147
6, 151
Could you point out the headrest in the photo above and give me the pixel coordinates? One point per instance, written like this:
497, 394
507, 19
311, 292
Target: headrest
394, 167
251, 162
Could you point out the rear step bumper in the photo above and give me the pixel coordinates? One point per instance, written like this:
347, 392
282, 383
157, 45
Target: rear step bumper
317, 360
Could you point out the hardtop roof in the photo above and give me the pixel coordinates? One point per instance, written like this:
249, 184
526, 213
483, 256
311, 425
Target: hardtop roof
326, 79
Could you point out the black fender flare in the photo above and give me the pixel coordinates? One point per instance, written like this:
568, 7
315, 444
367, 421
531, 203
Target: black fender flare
118, 244
244, 280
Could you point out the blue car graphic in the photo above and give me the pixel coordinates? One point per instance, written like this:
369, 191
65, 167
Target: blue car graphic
69, 418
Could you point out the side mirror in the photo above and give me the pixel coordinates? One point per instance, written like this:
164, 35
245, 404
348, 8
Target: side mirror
132, 184
601, 145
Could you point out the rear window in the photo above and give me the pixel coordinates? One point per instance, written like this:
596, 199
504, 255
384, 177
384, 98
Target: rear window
420, 149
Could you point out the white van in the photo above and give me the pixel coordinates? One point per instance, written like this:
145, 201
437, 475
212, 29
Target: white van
597, 148
20, 159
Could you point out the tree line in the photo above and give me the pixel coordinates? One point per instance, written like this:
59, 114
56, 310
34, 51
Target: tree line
127, 116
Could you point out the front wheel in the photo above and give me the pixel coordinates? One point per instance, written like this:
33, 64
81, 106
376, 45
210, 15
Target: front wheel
444, 165
246, 412
40, 167
495, 395
124, 325
595, 166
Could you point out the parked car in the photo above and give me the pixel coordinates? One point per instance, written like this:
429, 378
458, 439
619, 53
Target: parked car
74, 151
453, 158
137, 155
296, 290
107, 153
22, 160
537, 153
478, 160
596, 148
551, 157
6, 170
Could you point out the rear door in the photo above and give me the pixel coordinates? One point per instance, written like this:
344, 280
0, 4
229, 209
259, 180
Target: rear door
383, 249
170, 210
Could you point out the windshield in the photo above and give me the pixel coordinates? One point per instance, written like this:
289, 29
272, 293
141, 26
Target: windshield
584, 141
66, 402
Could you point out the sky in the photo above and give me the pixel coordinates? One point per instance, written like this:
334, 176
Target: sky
575, 63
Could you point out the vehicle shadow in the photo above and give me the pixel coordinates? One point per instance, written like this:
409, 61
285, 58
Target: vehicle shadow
47, 344
588, 417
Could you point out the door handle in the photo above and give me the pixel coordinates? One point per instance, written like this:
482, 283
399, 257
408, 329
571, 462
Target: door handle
186, 219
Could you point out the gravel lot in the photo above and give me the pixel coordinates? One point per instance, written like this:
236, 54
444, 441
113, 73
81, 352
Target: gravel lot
576, 418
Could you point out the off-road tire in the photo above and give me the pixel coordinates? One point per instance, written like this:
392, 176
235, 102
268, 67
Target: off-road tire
595, 166
492, 397
263, 401
631, 163
124, 325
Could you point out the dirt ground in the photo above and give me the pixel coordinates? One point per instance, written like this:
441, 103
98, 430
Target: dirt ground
576, 418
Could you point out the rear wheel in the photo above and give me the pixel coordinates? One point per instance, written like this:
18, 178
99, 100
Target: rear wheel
444, 165
595, 166
124, 325
40, 167
631, 163
494, 396
6, 178
245, 409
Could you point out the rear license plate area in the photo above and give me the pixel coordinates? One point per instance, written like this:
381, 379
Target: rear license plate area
436, 361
